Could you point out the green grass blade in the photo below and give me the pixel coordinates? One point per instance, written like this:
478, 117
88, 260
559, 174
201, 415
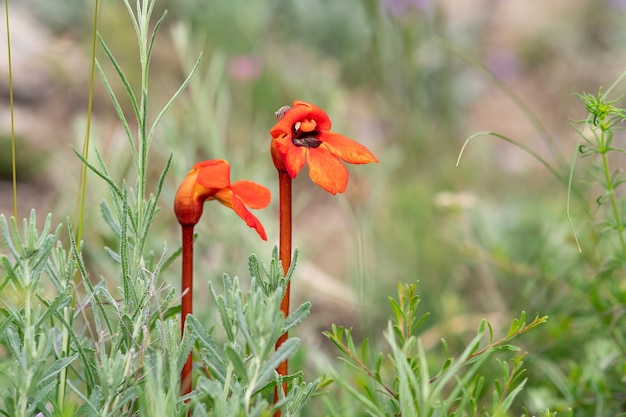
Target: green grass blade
118, 110
114, 187
510, 93
520, 145
120, 73
153, 37
11, 107
132, 18
173, 99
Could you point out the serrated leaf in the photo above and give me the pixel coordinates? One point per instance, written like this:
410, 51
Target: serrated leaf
297, 316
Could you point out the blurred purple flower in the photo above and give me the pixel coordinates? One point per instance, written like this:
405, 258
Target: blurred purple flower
244, 67
617, 4
503, 64
398, 7
423, 5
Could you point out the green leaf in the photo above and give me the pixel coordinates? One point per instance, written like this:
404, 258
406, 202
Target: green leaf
300, 396
173, 98
61, 301
297, 316
235, 359
364, 347
154, 32
292, 266
55, 368
371, 408
288, 348
210, 354
127, 87
113, 186
11, 237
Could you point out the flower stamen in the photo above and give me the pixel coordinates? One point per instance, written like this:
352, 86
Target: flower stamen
305, 126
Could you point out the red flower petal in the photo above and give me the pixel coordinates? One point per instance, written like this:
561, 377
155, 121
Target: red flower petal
346, 148
224, 196
252, 194
213, 174
248, 217
317, 114
187, 203
299, 112
227, 197
293, 157
327, 171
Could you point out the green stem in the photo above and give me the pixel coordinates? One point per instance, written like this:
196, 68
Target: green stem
144, 12
143, 17
29, 348
610, 188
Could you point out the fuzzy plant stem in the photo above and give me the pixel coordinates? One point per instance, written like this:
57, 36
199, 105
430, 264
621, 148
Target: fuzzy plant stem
187, 301
284, 189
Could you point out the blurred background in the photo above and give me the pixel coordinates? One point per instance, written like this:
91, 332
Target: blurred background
411, 80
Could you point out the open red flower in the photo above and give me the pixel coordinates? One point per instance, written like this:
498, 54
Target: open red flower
210, 180
302, 134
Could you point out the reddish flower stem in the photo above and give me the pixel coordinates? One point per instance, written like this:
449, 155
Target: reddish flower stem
187, 301
284, 189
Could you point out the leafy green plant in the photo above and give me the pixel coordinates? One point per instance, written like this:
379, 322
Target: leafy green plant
401, 382
118, 351
240, 374
27, 312
580, 368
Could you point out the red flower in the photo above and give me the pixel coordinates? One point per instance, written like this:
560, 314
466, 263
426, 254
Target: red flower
210, 180
302, 135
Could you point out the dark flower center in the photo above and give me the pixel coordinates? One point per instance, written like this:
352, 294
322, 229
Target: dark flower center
306, 140
304, 134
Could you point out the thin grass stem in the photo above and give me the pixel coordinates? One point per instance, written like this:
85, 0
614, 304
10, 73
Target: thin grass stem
80, 210
512, 95
568, 210
567, 181
523, 147
615, 83
80, 206
11, 108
